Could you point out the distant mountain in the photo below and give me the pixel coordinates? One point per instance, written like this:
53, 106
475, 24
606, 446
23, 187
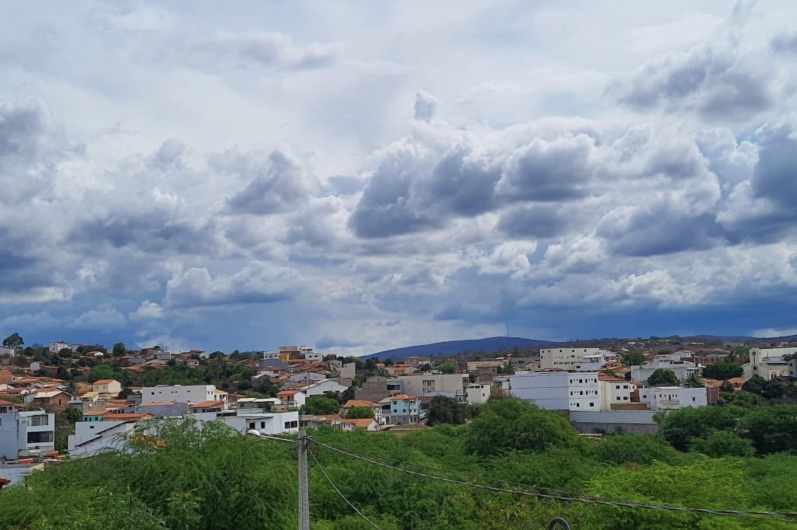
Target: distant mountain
452, 347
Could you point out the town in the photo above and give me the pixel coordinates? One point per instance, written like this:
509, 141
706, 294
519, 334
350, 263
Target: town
78, 400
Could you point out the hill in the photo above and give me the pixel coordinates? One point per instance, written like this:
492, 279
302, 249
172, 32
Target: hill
453, 347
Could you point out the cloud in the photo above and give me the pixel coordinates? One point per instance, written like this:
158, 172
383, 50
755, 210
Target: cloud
99, 319
277, 183
147, 311
785, 42
270, 49
31, 321
425, 106
256, 283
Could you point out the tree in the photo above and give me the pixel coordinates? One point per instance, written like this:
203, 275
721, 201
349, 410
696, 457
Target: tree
679, 427
662, 376
448, 368
693, 381
721, 444
102, 371
723, 371
13, 340
634, 358
216, 355
755, 385
119, 349
348, 394
73, 415
514, 424
446, 410
426, 368
321, 405
772, 429
359, 412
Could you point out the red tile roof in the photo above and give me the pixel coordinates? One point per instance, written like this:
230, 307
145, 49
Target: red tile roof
208, 405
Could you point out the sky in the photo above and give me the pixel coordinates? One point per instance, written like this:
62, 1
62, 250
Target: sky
358, 176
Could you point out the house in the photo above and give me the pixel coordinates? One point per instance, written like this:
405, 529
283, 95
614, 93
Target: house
564, 358
107, 386
417, 361
487, 372
477, 393
596, 361
272, 368
673, 397
312, 421
7, 351
57, 346
309, 355
186, 394
366, 424
306, 377
682, 369
429, 384
192, 363
163, 409
208, 406
25, 433
377, 388
400, 369
292, 398
376, 407
614, 391
557, 389
99, 432
51, 397
327, 385
522, 363
401, 409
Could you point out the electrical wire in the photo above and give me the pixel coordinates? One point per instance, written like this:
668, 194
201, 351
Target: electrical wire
337, 490
780, 516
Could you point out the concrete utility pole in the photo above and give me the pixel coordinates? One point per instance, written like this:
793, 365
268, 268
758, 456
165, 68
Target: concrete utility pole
304, 490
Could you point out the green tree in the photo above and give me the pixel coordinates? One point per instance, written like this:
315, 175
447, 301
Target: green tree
119, 349
216, 355
102, 371
13, 340
446, 410
359, 412
448, 368
723, 371
772, 429
321, 405
693, 381
662, 376
755, 385
679, 427
426, 368
514, 424
634, 358
73, 415
721, 444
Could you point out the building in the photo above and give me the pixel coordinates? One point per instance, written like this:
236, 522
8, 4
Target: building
51, 397
401, 409
25, 433
614, 391
673, 397
376, 407
366, 424
327, 385
208, 406
768, 363
8, 351
271, 423
595, 362
310, 355
522, 363
418, 361
107, 386
564, 358
58, 345
558, 390
477, 393
292, 398
377, 388
185, 394
99, 432
163, 409
427, 384
682, 369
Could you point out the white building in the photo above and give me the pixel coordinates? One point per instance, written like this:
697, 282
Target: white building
614, 391
191, 394
682, 369
768, 363
25, 433
58, 345
477, 393
448, 385
673, 397
557, 390
564, 358
101, 432
7, 351
596, 361
327, 385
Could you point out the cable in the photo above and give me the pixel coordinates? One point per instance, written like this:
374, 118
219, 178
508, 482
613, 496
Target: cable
624, 504
361, 514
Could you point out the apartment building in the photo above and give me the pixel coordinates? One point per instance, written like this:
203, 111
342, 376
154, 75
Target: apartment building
558, 390
565, 358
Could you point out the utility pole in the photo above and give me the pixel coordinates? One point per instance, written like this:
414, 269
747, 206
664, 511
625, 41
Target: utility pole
304, 490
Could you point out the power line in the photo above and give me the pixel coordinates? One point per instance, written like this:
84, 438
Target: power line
593, 501
337, 490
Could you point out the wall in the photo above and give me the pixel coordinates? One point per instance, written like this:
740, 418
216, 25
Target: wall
564, 358
548, 390
421, 385
9, 447
183, 394
637, 422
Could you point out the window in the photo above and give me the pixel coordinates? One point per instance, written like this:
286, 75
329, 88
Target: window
592, 404
618, 398
38, 421
262, 425
251, 425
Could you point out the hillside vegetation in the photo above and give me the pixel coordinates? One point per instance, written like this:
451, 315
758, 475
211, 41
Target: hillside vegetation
184, 477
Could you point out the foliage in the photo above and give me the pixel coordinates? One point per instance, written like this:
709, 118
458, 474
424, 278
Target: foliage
723, 371
513, 424
720, 444
630, 448
662, 376
634, 358
73, 415
321, 405
742, 399
119, 349
13, 340
103, 371
359, 412
448, 368
446, 410
693, 381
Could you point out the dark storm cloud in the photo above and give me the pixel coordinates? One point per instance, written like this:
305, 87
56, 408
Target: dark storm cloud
785, 42
20, 127
152, 231
276, 185
168, 156
709, 79
536, 221
775, 175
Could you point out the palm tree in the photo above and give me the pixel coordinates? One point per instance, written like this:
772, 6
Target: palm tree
693, 381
